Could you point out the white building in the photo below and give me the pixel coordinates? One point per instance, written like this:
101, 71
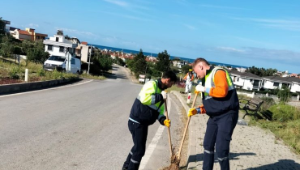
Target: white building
57, 45
276, 82
84, 51
245, 80
179, 63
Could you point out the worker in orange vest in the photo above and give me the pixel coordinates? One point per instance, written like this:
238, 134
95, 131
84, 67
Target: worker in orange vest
189, 77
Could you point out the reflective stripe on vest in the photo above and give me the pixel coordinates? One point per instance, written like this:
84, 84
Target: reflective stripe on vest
209, 81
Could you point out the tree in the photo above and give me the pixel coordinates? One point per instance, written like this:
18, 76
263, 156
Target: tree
35, 51
105, 62
67, 37
2, 26
119, 61
261, 71
284, 94
164, 62
101, 63
6, 46
185, 68
139, 64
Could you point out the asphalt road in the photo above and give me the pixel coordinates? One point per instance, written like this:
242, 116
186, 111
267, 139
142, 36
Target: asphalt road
79, 126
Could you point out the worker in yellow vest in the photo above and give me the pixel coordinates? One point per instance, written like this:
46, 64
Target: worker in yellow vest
221, 104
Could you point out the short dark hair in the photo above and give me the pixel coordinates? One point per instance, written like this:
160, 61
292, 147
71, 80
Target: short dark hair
198, 60
171, 75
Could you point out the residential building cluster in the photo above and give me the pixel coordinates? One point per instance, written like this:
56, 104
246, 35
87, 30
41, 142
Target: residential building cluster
249, 81
59, 44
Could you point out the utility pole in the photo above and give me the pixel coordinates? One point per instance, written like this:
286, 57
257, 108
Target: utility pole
145, 74
89, 55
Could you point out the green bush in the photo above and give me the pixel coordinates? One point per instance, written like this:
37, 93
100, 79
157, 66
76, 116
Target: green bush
14, 72
41, 72
56, 75
284, 94
283, 112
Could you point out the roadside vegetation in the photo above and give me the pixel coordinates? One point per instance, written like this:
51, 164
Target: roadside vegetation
282, 119
11, 72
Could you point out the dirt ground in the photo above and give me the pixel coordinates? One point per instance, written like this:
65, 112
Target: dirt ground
176, 143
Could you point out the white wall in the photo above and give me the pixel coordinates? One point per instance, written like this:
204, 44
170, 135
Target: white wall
247, 85
61, 39
295, 88
269, 85
237, 81
84, 53
55, 51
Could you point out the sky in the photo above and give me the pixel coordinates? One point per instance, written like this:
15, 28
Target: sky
260, 33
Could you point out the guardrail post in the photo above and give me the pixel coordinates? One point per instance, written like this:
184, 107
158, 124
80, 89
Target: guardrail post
26, 75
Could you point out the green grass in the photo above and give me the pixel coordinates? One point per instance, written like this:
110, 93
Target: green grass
87, 76
285, 124
9, 69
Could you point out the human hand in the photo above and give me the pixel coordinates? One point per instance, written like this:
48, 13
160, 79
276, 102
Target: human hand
164, 94
200, 88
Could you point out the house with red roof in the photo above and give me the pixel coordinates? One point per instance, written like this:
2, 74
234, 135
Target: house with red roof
28, 34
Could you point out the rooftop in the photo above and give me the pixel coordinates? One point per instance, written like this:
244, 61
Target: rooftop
244, 74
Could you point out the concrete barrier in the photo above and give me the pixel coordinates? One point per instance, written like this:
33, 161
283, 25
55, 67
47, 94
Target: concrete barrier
22, 87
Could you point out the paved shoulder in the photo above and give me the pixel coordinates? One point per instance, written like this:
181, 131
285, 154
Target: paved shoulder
251, 148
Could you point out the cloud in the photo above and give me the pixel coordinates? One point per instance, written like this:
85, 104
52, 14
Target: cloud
31, 25
286, 24
118, 2
219, 7
230, 49
189, 26
271, 55
126, 16
127, 5
76, 32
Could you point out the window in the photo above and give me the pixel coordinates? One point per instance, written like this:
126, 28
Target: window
57, 39
61, 49
276, 84
57, 58
37, 37
72, 61
49, 47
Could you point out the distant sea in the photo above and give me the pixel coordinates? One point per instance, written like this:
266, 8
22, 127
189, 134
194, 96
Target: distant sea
155, 55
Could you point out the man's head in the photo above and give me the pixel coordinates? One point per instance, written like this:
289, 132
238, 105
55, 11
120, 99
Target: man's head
200, 66
190, 70
168, 79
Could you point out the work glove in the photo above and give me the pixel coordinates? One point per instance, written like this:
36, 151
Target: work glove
164, 94
198, 110
167, 122
200, 88
192, 112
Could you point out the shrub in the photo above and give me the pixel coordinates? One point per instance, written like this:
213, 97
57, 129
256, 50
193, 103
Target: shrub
284, 94
41, 72
14, 72
56, 75
283, 112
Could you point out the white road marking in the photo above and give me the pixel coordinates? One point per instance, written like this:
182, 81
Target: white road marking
154, 142
46, 89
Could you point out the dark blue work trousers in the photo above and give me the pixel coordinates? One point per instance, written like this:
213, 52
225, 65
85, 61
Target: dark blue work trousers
139, 134
218, 133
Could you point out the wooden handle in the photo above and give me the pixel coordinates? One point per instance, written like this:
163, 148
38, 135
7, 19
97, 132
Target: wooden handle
169, 132
186, 127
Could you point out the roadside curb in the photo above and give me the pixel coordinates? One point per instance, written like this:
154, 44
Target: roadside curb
194, 141
23, 87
